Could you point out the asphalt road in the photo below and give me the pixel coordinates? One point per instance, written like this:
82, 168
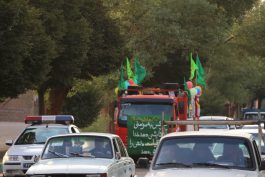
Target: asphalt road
140, 172
9, 130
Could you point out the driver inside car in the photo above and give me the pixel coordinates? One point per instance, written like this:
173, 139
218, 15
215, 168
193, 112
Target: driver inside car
102, 148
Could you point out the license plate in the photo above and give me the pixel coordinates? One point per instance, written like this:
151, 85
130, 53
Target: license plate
27, 165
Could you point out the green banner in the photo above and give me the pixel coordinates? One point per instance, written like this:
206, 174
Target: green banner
144, 133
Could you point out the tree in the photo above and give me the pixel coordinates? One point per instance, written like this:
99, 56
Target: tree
234, 9
87, 43
84, 105
250, 37
164, 32
25, 49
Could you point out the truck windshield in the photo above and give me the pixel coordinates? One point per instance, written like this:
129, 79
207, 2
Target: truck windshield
254, 116
142, 109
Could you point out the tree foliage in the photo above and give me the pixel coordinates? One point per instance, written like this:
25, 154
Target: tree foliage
84, 103
25, 49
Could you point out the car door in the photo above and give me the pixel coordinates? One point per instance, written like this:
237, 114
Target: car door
118, 167
128, 164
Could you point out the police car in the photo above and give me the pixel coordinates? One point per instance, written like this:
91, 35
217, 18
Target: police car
84, 155
29, 144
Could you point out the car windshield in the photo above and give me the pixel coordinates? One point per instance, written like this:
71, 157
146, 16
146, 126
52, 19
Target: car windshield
78, 146
204, 152
39, 135
137, 109
214, 127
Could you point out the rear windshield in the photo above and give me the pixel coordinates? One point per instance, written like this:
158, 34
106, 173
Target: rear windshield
205, 152
39, 135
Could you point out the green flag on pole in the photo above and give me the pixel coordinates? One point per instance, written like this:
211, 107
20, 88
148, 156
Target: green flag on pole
200, 72
129, 70
139, 71
193, 67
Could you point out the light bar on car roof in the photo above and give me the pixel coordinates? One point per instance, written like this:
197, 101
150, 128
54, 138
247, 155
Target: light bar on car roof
50, 119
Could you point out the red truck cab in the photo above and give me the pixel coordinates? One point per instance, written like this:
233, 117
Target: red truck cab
138, 101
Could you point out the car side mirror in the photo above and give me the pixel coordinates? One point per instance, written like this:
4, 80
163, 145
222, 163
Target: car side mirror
143, 162
118, 156
262, 165
9, 142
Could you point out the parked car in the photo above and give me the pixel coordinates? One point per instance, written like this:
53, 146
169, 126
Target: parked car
216, 118
29, 144
84, 155
198, 153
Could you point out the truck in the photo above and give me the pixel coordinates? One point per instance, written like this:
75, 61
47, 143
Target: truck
139, 112
253, 114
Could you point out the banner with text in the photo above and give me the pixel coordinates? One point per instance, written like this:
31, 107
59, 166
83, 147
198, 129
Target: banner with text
144, 133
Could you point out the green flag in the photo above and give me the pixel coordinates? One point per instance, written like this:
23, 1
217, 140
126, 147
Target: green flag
193, 67
121, 81
200, 72
129, 70
140, 72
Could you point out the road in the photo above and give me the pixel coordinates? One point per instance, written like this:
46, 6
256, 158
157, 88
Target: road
9, 130
140, 172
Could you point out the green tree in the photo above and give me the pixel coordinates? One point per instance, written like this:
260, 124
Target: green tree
249, 36
25, 49
87, 43
83, 105
234, 9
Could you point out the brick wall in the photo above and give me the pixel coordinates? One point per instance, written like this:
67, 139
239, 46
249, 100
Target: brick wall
15, 110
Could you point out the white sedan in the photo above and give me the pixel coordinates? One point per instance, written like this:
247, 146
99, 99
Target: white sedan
199, 154
84, 155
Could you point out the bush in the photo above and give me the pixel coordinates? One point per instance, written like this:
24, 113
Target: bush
84, 105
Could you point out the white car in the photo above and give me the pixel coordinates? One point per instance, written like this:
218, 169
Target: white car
254, 132
200, 154
84, 155
29, 144
217, 127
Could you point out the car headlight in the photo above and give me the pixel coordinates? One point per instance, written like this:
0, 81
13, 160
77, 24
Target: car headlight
8, 158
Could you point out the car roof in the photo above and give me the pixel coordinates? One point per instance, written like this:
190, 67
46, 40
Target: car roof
108, 135
215, 118
219, 133
248, 130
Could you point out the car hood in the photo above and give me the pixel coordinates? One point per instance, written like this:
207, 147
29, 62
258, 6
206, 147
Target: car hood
71, 165
34, 149
201, 172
